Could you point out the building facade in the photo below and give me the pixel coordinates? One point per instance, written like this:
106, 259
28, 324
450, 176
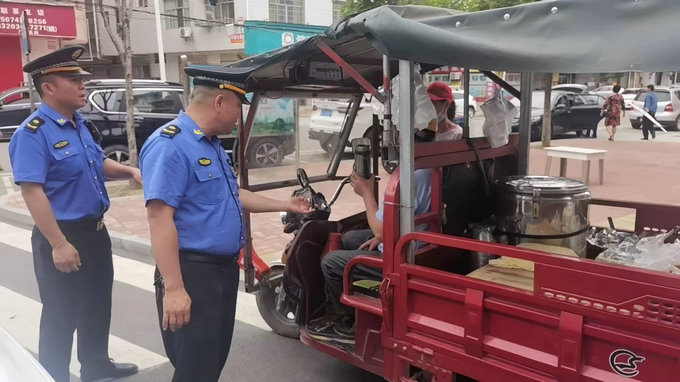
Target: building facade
48, 24
205, 33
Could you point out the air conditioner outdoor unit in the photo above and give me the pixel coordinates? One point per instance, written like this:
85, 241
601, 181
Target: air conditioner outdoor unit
184, 32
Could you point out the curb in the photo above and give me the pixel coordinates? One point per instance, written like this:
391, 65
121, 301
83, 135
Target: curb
119, 241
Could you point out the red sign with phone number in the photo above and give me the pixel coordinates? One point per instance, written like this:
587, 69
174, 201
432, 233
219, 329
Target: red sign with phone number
43, 20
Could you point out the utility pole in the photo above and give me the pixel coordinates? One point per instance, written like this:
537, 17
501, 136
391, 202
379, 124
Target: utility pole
159, 39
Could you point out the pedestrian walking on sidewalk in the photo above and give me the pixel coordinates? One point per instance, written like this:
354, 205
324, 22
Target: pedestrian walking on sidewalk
651, 101
195, 212
612, 110
60, 167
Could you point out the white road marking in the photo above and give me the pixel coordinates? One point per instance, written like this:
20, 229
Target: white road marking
20, 315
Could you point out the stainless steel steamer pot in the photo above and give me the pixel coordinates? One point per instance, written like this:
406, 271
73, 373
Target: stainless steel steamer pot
543, 209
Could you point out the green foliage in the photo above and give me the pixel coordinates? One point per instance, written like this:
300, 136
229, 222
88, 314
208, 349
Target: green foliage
491, 4
356, 6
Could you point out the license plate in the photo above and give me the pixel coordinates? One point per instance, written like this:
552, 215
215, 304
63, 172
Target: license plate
326, 112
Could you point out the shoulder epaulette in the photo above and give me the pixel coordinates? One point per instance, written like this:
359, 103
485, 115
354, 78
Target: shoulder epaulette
34, 124
170, 131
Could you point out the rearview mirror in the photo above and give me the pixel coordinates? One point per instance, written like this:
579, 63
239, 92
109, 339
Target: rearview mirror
302, 178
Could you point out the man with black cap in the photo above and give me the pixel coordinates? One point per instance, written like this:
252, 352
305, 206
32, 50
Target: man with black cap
61, 170
195, 214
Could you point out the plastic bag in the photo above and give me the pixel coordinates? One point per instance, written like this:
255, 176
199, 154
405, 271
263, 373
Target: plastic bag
498, 116
424, 109
654, 253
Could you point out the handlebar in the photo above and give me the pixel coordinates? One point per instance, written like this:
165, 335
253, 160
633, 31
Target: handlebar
338, 190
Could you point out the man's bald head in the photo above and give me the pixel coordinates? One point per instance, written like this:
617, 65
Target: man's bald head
205, 95
215, 110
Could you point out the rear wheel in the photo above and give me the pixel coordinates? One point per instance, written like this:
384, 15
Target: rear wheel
536, 132
330, 143
676, 127
277, 310
264, 152
471, 110
119, 153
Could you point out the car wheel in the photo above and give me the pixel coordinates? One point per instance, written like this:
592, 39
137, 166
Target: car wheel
119, 153
676, 127
635, 125
330, 143
536, 133
471, 110
264, 152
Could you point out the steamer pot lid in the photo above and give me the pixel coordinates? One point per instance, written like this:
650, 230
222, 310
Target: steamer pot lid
545, 184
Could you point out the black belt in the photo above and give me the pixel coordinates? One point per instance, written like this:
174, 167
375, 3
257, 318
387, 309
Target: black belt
207, 258
96, 223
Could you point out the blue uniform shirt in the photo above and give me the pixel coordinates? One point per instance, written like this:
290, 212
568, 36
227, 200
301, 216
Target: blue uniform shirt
193, 174
422, 179
651, 101
49, 149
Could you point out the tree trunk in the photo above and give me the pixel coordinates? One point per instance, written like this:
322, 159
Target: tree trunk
129, 96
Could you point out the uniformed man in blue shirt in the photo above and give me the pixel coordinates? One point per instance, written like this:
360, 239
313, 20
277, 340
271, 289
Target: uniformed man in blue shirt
61, 169
651, 104
195, 213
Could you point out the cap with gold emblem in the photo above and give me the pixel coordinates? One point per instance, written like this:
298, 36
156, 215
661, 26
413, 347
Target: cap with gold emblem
221, 77
62, 61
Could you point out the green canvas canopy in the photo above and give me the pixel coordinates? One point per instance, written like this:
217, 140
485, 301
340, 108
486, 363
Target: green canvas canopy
569, 36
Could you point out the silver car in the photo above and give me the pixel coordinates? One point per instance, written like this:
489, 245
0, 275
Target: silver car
667, 111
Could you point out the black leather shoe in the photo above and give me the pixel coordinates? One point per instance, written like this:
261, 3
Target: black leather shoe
108, 371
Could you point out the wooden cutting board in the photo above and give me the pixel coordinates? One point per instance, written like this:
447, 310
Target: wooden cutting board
516, 278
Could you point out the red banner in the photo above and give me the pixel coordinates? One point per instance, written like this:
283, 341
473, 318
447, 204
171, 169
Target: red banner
43, 20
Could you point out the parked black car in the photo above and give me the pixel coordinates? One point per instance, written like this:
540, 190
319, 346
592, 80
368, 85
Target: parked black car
155, 103
571, 112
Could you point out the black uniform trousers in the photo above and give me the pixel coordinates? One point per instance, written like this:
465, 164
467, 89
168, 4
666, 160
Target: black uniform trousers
199, 350
648, 126
75, 301
334, 263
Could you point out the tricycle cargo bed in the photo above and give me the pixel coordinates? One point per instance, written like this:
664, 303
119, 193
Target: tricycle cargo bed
584, 320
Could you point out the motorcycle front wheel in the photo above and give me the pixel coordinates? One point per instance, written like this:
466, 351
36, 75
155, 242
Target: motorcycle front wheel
277, 310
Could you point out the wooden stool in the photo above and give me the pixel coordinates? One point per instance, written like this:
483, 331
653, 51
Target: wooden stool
585, 155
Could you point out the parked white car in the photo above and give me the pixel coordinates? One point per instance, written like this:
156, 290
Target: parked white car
629, 95
17, 364
667, 112
459, 99
606, 91
574, 88
328, 117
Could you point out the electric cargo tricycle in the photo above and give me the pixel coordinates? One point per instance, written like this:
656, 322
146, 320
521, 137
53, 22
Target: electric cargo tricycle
427, 320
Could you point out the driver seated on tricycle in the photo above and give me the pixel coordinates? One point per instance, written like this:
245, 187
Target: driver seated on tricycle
339, 324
